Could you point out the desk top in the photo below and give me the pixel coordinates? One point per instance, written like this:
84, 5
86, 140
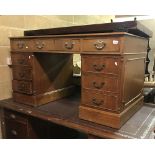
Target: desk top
133, 27
65, 112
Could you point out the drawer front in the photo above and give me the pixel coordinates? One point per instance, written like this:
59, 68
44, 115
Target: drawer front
15, 116
41, 44
24, 59
101, 45
101, 64
100, 82
22, 87
15, 130
20, 45
67, 45
22, 73
99, 100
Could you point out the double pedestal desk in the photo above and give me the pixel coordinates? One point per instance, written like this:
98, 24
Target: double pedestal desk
112, 77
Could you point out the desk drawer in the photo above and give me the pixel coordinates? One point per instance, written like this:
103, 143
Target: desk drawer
43, 44
99, 100
15, 130
22, 73
101, 64
67, 45
20, 45
101, 45
22, 59
15, 116
31, 45
22, 87
100, 82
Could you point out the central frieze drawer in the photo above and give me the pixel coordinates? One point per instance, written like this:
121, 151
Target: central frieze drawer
22, 73
22, 87
100, 82
101, 45
22, 59
101, 64
67, 45
99, 100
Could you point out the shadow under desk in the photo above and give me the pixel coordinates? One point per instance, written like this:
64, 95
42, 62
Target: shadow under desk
64, 114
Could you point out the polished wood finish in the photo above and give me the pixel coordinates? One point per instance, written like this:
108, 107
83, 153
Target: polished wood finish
39, 78
110, 81
37, 100
108, 118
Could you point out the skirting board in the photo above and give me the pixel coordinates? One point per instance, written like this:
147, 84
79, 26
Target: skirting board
37, 100
108, 118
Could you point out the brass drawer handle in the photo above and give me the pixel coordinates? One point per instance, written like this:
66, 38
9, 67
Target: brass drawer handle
40, 44
22, 87
20, 44
14, 132
12, 116
99, 67
99, 44
97, 103
22, 74
69, 45
98, 86
21, 61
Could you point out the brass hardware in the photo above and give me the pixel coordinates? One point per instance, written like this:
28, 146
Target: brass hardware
98, 103
22, 74
40, 44
69, 45
13, 116
99, 44
14, 132
22, 87
97, 86
99, 67
20, 44
21, 61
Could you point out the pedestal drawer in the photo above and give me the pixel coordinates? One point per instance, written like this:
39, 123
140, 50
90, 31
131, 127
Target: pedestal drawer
100, 100
100, 82
101, 64
22, 87
22, 59
22, 73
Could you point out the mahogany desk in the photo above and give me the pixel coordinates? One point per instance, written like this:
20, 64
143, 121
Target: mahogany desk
64, 112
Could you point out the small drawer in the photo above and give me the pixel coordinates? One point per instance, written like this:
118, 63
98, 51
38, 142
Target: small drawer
15, 130
101, 64
22, 59
67, 45
101, 45
22, 73
99, 100
20, 44
100, 82
22, 87
42, 44
15, 116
